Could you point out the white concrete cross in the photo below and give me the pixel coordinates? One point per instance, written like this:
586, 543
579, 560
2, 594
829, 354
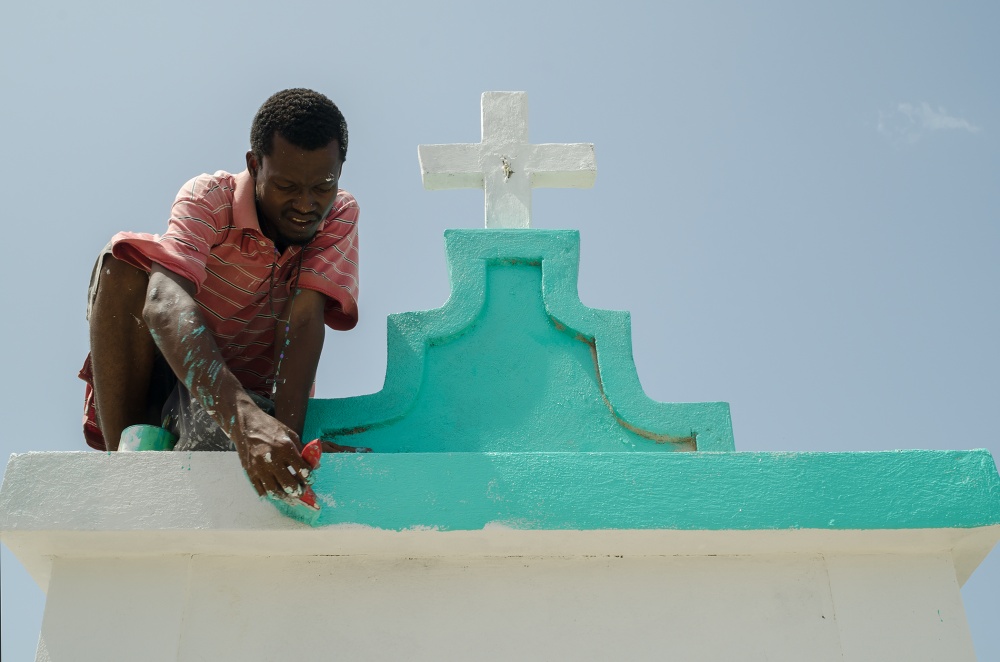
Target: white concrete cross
504, 164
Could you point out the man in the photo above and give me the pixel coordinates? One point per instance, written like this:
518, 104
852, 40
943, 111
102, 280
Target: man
215, 328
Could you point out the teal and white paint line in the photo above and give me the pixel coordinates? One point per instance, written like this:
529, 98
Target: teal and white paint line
627, 491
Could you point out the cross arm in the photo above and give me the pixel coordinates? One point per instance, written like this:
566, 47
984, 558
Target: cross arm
562, 166
450, 166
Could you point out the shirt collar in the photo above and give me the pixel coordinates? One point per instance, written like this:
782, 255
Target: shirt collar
245, 204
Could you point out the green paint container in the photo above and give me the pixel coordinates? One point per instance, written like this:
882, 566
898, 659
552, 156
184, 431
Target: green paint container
146, 438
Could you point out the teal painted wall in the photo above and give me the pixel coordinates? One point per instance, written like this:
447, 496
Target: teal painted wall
516, 404
514, 362
685, 491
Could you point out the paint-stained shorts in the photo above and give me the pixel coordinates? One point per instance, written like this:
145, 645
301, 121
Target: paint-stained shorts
195, 429
181, 414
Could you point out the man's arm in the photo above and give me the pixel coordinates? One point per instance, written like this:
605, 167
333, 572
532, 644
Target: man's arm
267, 448
297, 370
298, 343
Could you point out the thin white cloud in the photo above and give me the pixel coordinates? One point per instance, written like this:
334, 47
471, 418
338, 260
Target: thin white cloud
911, 121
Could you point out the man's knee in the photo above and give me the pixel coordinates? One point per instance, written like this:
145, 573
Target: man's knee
118, 294
123, 274
119, 285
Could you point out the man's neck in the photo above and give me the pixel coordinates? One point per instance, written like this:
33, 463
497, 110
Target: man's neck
268, 231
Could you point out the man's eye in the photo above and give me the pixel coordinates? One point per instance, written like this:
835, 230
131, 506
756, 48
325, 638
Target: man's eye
284, 187
326, 187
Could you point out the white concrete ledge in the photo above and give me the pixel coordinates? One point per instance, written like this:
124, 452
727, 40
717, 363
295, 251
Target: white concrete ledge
178, 552
84, 504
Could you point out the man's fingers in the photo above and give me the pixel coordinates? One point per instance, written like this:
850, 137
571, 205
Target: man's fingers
277, 474
286, 464
265, 485
295, 469
273, 463
288, 479
282, 484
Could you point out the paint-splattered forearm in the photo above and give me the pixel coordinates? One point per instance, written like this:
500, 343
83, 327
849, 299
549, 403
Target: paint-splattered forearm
266, 446
178, 328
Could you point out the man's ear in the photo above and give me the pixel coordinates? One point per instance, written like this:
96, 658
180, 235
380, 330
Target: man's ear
252, 164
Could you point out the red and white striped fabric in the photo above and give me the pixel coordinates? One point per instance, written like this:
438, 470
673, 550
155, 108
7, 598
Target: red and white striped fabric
214, 240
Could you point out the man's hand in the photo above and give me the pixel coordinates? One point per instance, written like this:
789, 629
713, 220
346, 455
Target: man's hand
269, 452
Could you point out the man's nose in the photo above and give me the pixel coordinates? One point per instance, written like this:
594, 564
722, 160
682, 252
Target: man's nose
304, 203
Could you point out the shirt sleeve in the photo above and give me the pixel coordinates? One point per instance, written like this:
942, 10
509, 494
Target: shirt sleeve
330, 263
199, 219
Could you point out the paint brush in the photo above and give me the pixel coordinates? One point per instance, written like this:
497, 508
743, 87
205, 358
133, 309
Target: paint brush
312, 453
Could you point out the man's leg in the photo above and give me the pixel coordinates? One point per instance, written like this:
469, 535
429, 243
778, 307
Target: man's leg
121, 349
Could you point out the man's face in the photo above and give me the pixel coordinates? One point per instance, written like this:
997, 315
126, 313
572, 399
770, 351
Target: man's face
295, 190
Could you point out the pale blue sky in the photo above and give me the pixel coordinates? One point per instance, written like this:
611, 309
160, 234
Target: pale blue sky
798, 202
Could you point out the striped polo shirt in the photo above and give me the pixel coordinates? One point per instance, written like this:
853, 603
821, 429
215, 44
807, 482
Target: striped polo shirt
214, 240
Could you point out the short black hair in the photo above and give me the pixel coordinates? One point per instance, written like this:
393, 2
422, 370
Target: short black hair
305, 118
